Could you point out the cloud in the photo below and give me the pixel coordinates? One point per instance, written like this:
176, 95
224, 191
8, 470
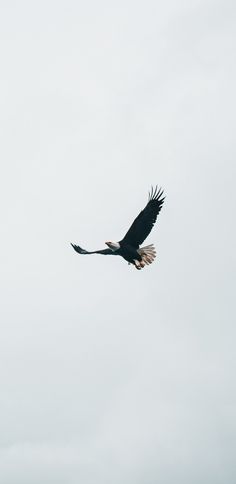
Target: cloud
108, 375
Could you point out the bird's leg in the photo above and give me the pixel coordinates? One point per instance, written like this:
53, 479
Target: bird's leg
137, 264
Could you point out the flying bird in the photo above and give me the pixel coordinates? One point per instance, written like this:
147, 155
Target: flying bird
129, 247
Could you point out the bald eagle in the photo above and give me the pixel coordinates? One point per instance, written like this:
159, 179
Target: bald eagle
129, 247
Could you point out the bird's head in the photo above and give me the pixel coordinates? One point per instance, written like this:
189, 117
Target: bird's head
113, 245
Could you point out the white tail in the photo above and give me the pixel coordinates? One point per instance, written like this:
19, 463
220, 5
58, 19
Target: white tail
148, 255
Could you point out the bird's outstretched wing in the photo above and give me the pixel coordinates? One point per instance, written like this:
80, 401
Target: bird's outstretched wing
143, 224
84, 252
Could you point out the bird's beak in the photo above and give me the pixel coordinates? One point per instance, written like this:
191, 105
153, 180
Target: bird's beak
107, 243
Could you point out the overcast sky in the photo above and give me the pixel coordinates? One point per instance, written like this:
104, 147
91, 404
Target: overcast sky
109, 374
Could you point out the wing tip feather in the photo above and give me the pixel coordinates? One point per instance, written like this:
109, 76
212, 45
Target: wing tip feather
156, 194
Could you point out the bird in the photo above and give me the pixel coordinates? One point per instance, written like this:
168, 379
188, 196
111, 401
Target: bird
129, 247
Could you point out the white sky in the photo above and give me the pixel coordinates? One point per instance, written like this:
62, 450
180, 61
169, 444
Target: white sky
107, 374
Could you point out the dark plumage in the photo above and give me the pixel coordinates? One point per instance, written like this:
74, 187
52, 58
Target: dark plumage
129, 247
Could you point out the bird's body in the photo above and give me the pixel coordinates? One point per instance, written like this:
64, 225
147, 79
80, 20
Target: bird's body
129, 247
129, 253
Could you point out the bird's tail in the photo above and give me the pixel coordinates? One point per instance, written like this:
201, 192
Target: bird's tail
148, 255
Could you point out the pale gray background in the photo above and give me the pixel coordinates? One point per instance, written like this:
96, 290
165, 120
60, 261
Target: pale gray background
107, 374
